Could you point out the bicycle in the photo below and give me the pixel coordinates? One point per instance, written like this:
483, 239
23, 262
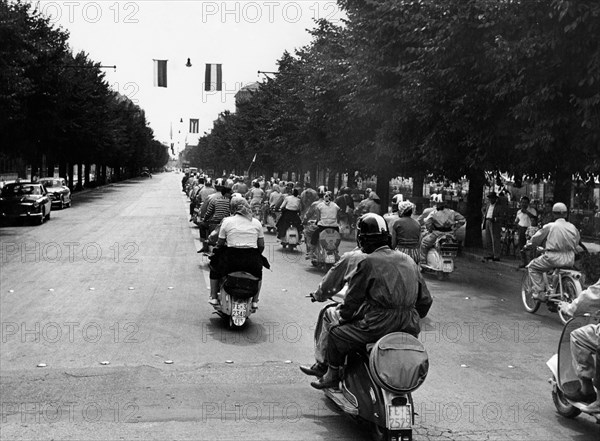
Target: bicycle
562, 285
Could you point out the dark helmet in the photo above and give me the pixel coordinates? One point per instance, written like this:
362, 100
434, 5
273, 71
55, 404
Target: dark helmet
372, 232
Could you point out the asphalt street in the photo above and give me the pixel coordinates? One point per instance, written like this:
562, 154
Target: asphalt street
107, 334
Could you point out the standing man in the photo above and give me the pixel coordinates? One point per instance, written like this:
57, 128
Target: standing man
492, 224
526, 217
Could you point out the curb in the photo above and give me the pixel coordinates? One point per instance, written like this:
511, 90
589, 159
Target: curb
474, 256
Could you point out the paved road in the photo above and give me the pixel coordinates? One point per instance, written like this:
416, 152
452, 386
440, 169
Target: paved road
117, 279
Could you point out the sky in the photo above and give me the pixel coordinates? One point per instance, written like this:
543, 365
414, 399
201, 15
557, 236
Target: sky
243, 36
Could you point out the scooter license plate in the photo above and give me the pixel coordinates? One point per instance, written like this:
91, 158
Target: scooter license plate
239, 310
399, 417
330, 258
447, 267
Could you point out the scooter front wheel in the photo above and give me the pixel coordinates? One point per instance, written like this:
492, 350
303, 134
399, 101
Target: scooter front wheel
531, 305
563, 406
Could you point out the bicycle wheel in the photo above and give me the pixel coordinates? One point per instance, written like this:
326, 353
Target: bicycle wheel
531, 305
570, 290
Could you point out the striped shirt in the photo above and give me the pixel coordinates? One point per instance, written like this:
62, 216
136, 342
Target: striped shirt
218, 209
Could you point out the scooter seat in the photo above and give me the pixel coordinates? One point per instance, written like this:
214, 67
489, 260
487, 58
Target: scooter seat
243, 275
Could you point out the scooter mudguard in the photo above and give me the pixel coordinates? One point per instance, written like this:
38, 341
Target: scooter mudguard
362, 392
552, 364
434, 260
291, 236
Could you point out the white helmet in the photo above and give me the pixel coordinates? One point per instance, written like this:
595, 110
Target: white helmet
559, 207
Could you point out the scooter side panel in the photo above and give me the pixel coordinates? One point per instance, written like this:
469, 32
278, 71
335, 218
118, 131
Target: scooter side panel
357, 380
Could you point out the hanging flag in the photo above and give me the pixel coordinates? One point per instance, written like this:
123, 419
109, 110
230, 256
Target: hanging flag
172, 150
213, 78
194, 125
160, 73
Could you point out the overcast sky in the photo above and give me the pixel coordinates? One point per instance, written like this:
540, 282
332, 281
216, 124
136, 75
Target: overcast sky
243, 36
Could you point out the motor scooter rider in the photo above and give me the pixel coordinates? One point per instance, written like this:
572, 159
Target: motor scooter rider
371, 204
405, 231
584, 344
441, 221
561, 238
239, 248
327, 217
386, 294
333, 282
311, 215
290, 214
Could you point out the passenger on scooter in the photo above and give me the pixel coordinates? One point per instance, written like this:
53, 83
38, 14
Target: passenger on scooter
346, 204
561, 238
256, 196
327, 217
333, 282
216, 211
290, 214
371, 204
584, 344
405, 231
239, 248
441, 221
386, 294
308, 196
276, 197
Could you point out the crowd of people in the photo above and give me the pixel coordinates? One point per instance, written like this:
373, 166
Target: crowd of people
385, 289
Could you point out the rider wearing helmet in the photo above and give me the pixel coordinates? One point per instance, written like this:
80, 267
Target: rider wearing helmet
561, 239
386, 294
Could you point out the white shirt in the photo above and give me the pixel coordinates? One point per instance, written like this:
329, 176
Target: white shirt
490, 212
291, 203
328, 214
523, 219
241, 232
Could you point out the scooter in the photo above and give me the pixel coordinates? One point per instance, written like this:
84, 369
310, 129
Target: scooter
326, 251
377, 384
291, 238
271, 218
562, 285
564, 380
235, 297
440, 258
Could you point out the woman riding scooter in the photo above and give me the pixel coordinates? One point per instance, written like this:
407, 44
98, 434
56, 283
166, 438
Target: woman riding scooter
290, 214
239, 248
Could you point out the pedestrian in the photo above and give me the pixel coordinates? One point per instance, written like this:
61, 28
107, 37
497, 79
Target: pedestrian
526, 218
493, 216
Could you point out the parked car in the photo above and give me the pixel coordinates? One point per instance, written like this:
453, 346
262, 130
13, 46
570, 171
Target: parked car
25, 200
146, 173
58, 192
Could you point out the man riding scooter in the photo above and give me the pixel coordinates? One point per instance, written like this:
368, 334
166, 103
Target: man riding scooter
584, 344
386, 294
441, 221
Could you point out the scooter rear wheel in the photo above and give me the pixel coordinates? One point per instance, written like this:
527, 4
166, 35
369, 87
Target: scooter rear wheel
531, 305
563, 407
571, 289
379, 433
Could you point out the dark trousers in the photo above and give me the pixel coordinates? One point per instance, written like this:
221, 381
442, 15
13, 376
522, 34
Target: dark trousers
493, 231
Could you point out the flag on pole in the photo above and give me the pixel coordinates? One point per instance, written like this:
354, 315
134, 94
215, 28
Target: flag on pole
171, 132
194, 125
254, 159
213, 79
160, 73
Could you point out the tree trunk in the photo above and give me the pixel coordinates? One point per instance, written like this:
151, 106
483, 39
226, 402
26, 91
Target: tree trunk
331, 180
474, 203
70, 176
86, 175
383, 188
62, 170
50, 169
79, 184
562, 187
417, 190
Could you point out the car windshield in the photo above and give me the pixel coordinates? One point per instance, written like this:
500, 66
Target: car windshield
21, 189
50, 182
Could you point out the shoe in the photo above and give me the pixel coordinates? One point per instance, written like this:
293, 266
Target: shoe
316, 370
580, 397
593, 407
214, 302
322, 383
